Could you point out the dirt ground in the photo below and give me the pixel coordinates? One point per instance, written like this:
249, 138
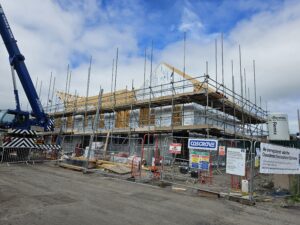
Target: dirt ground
46, 194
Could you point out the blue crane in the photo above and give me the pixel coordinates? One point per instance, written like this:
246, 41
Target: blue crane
17, 118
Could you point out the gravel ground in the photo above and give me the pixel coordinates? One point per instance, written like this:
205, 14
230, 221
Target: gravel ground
46, 194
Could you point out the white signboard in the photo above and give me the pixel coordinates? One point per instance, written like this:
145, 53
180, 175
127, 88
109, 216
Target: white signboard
278, 127
236, 161
276, 159
97, 145
175, 148
203, 144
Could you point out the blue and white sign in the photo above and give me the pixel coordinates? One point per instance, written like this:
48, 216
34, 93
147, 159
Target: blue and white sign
203, 144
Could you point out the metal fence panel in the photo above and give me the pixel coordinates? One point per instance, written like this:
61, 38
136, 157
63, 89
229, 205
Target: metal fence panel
15, 155
108, 150
178, 168
26, 155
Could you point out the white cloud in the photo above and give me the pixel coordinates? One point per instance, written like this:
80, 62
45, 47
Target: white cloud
50, 37
190, 21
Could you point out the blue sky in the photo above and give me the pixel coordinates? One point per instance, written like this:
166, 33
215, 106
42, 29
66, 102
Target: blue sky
165, 21
56, 33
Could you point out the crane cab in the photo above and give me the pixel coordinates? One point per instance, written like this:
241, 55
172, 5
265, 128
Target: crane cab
6, 119
13, 119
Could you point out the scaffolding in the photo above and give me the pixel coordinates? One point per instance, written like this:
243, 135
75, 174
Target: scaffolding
192, 104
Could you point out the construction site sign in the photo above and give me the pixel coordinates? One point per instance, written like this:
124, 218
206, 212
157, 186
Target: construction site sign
221, 150
277, 159
204, 161
203, 144
175, 148
236, 161
199, 160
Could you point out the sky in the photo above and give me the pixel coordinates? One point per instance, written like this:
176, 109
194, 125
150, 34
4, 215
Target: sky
53, 34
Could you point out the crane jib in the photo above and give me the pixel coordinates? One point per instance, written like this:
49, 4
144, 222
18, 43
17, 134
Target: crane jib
17, 61
6, 23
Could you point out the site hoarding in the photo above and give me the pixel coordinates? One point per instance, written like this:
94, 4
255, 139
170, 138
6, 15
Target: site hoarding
277, 159
236, 161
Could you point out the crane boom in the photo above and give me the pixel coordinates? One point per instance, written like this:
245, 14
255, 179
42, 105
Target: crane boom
16, 60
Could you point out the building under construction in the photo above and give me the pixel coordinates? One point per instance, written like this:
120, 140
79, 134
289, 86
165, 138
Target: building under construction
172, 102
